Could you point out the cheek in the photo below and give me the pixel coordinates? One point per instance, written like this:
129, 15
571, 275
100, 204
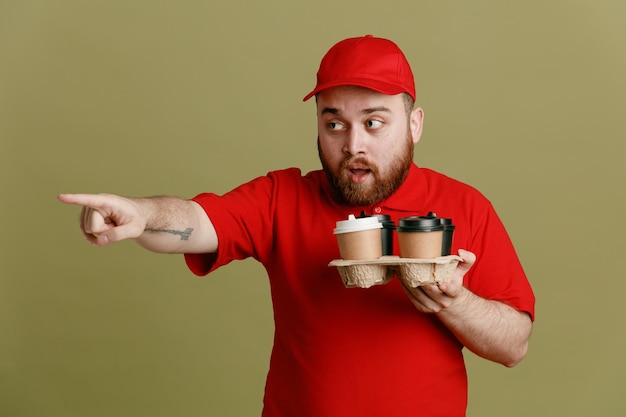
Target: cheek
386, 152
331, 149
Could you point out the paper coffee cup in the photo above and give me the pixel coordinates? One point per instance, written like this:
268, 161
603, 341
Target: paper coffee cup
420, 237
359, 239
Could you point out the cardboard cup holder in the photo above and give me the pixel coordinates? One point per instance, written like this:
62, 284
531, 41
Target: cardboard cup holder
412, 271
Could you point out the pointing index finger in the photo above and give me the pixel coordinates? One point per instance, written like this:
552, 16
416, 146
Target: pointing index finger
88, 200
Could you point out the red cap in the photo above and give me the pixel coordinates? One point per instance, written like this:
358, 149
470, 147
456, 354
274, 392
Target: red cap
374, 63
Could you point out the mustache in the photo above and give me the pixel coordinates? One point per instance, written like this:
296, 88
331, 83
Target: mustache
358, 160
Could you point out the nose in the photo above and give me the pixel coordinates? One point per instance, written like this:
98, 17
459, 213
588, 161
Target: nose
355, 142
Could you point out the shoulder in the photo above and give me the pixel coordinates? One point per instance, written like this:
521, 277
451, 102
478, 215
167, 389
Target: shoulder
294, 173
294, 176
442, 184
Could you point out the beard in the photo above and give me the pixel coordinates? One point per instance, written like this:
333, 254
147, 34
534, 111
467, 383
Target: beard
384, 184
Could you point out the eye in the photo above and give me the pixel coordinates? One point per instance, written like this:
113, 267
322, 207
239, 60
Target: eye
335, 126
373, 124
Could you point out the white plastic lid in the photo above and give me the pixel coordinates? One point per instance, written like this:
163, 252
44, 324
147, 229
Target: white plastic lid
356, 225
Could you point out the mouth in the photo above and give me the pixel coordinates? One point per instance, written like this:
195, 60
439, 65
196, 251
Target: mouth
358, 174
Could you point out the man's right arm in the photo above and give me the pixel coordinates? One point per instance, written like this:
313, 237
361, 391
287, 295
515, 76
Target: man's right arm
159, 224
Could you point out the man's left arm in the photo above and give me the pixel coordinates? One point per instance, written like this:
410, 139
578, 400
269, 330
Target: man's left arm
490, 329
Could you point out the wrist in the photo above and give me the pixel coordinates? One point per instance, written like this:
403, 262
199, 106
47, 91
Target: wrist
460, 301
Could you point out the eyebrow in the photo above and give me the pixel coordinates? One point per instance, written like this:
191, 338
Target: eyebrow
369, 110
330, 110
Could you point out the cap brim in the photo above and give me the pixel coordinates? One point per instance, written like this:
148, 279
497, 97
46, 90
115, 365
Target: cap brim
378, 86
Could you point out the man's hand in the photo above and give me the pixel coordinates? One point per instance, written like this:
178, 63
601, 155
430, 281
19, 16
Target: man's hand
106, 219
489, 328
434, 298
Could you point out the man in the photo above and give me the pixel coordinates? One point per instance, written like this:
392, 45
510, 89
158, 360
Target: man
383, 351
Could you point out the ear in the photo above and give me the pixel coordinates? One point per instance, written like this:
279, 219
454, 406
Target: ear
416, 123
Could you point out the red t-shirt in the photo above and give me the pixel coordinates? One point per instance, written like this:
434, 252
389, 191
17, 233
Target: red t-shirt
350, 351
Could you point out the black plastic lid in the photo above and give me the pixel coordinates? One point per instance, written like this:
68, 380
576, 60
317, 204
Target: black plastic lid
419, 224
447, 224
385, 219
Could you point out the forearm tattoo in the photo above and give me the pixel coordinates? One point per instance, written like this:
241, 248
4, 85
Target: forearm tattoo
184, 235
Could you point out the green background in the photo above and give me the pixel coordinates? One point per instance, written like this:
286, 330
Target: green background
524, 100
